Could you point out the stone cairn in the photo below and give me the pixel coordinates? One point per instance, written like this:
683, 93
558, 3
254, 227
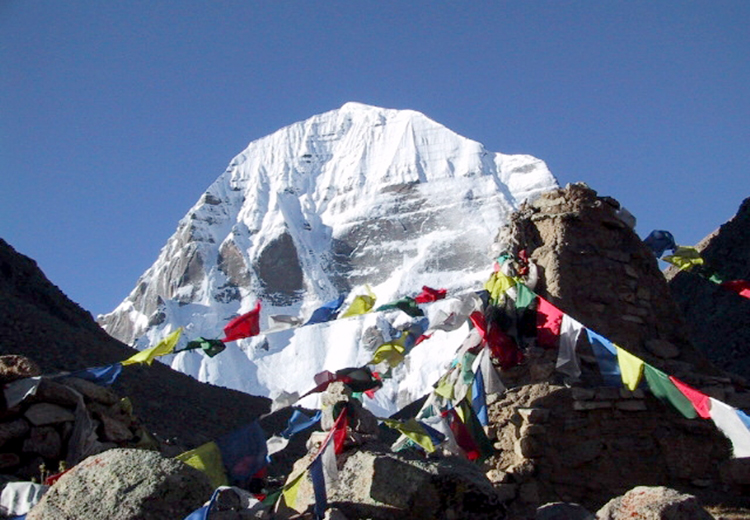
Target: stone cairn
66, 420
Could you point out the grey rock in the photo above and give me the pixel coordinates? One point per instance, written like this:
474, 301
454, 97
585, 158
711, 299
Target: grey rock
125, 484
92, 391
13, 430
381, 484
44, 441
653, 503
47, 413
661, 348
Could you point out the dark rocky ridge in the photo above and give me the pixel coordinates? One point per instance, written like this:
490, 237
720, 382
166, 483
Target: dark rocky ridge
718, 319
38, 321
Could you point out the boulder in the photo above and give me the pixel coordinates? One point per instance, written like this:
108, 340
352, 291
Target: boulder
653, 503
125, 484
47, 413
374, 483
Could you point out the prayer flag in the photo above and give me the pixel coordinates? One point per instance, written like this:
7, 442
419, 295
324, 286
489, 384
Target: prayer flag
327, 311
299, 422
461, 434
699, 400
164, 347
290, 490
243, 452
606, 357
361, 304
567, 359
203, 512
492, 382
405, 304
100, 375
207, 458
741, 287
744, 418
210, 347
319, 488
524, 296
17, 391
476, 430
276, 443
498, 285
659, 241
548, 322
663, 388
631, 368
243, 326
728, 421
393, 353
685, 258
412, 429
479, 398
429, 294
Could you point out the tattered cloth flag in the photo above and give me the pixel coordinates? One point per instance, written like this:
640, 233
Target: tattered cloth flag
685, 258
567, 359
323, 469
164, 347
659, 241
299, 422
406, 304
699, 400
730, 423
243, 326
741, 287
243, 453
327, 311
361, 304
662, 387
631, 368
429, 294
548, 322
105, 375
606, 357
414, 431
233, 458
210, 347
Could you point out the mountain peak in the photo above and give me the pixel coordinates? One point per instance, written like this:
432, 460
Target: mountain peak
358, 195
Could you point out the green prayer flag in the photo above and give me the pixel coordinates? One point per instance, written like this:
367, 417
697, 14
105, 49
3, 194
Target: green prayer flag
210, 347
524, 296
414, 431
665, 390
486, 449
406, 304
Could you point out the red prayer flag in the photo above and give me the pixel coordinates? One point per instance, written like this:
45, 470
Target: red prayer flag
700, 401
243, 326
462, 435
430, 295
741, 287
502, 347
548, 322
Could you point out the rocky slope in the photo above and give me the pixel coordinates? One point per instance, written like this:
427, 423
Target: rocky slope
37, 320
719, 320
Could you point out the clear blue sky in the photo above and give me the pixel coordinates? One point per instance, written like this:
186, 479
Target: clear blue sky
116, 115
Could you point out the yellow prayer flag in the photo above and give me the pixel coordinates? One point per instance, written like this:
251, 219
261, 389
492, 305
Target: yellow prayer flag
498, 285
684, 258
631, 368
207, 458
290, 490
413, 430
164, 347
391, 352
361, 304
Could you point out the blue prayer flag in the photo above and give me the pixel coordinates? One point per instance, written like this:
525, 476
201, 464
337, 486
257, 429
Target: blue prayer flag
243, 453
319, 487
100, 375
606, 357
478, 398
327, 312
299, 421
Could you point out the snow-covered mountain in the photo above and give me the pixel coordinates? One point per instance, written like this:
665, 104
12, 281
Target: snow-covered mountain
354, 196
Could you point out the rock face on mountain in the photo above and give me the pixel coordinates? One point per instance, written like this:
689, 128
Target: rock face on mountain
718, 319
359, 195
40, 322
